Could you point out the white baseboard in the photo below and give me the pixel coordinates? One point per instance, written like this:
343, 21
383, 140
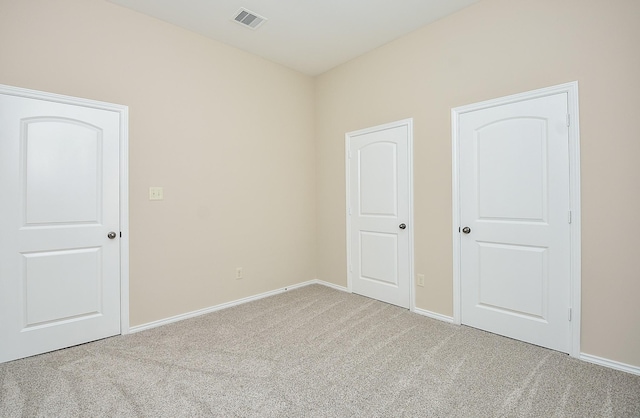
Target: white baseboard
331, 285
293, 286
612, 364
204, 311
433, 315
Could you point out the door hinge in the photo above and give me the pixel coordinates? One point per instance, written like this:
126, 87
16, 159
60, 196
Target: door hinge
568, 119
349, 153
569, 314
349, 211
120, 234
569, 217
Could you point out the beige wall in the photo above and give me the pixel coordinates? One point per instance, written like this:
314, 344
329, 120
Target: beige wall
231, 138
228, 135
492, 49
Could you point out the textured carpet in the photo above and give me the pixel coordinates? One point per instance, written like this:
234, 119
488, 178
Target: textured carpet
313, 352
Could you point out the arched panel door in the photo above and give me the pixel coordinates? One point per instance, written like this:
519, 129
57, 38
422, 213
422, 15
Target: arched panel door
60, 267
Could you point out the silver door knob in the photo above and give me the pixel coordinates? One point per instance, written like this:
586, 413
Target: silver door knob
466, 229
402, 226
111, 235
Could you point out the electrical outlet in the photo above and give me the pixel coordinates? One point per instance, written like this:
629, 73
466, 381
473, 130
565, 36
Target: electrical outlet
238, 273
156, 193
421, 280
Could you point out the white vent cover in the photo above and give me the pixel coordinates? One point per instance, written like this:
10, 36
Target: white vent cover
249, 19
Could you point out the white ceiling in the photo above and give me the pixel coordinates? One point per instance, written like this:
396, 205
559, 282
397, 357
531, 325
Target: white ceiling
310, 36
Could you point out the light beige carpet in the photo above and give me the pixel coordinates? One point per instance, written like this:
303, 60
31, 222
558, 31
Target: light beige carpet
313, 352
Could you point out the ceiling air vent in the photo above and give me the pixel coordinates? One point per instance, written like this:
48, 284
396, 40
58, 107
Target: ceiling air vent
249, 19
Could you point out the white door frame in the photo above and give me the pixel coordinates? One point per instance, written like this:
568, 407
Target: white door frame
574, 197
347, 138
123, 111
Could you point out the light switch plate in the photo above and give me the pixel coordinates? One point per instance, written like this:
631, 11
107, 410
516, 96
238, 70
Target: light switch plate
156, 193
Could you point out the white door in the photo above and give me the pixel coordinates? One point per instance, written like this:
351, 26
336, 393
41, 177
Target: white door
379, 212
514, 200
59, 181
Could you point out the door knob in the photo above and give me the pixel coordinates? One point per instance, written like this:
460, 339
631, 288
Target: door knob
111, 235
402, 226
466, 229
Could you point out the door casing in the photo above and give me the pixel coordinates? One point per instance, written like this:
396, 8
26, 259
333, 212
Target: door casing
124, 179
574, 197
405, 122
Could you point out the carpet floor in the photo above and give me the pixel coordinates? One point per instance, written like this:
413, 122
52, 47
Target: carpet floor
313, 352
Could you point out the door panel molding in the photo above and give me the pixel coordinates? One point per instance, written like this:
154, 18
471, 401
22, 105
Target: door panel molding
571, 89
123, 112
408, 123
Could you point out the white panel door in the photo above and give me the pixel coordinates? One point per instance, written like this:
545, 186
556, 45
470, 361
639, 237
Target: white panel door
514, 200
59, 271
379, 213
